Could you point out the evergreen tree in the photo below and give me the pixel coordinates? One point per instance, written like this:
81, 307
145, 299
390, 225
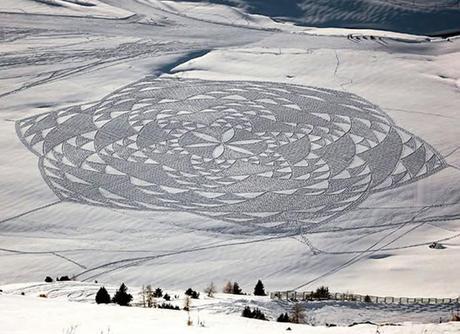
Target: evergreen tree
192, 293
122, 297
236, 289
158, 293
322, 293
256, 314
259, 289
284, 317
247, 313
167, 297
102, 296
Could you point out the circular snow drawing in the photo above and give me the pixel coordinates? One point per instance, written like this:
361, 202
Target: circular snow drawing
246, 152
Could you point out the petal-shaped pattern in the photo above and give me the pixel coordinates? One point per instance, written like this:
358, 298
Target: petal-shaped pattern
275, 153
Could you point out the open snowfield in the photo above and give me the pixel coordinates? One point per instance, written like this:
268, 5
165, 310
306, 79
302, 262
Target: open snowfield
22, 314
71, 305
175, 144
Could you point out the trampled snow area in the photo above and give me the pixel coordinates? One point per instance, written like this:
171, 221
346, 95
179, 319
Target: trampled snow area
196, 143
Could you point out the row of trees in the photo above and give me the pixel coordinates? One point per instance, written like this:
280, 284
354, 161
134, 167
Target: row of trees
297, 315
121, 297
253, 314
49, 279
234, 288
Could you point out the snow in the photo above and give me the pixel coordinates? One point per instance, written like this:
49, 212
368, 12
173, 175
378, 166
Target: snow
50, 62
391, 15
86, 8
72, 304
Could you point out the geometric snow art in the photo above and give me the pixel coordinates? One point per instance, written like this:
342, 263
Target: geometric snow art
260, 153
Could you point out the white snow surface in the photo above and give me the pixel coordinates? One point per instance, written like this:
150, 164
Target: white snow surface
23, 314
381, 247
71, 304
88, 8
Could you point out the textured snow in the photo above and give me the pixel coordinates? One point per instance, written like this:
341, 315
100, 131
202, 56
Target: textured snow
49, 63
75, 301
88, 8
416, 17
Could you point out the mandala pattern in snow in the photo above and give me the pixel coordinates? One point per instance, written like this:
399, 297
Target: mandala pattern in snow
245, 152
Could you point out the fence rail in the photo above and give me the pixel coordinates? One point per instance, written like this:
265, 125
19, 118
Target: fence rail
309, 295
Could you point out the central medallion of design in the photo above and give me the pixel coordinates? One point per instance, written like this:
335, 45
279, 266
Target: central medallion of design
244, 152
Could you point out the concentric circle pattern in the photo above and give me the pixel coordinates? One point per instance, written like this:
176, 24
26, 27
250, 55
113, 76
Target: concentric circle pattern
246, 152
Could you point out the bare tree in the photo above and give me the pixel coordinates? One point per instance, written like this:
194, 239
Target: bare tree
142, 293
187, 303
211, 290
228, 287
150, 301
297, 314
187, 306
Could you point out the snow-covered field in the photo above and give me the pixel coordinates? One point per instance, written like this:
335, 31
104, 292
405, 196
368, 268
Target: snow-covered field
71, 304
22, 314
300, 156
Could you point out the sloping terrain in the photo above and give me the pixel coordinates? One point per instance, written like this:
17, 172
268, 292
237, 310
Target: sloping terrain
416, 17
93, 8
58, 315
319, 313
178, 150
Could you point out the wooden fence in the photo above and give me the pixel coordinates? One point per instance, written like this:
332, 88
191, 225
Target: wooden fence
305, 296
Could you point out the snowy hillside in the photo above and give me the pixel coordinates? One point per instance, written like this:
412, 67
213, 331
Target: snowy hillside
93, 8
70, 305
175, 144
417, 17
57, 316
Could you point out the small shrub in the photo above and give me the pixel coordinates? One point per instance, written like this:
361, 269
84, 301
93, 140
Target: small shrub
210, 290
63, 278
236, 289
322, 293
455, 316
167, 297
48, 279
297, 314
168, 306
253, 314
102, 296
42, 295
192, 293
284, 317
